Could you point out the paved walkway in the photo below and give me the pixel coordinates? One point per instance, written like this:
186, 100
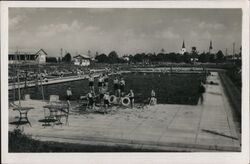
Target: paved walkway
207, 127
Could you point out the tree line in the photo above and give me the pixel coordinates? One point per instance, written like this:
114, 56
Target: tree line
187, 57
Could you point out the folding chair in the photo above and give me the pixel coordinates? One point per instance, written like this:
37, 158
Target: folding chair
51, 117
23, 114
54, 99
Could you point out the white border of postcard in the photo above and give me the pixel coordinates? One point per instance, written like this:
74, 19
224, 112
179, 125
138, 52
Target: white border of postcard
213, 157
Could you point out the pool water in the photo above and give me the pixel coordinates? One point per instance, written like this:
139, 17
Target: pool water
169, 88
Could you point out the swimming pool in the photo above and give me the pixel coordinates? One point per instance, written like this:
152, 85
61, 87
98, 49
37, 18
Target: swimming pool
169, 88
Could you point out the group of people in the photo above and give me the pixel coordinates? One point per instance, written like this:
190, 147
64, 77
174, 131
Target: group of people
104, 94
103, 87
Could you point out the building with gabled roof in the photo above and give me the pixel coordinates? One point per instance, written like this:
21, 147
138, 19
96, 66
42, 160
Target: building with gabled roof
28, 57
81, 60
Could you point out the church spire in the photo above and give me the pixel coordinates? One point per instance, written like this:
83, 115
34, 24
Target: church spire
210, 46
183, 44
183, 49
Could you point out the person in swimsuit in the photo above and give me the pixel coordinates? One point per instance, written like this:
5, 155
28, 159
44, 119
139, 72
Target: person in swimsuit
90, 97
106, 80
69, 95
102, 92
202, 90
122, 86
152, 100
100, 83
91, 82
106, 101
116, 86
131, 96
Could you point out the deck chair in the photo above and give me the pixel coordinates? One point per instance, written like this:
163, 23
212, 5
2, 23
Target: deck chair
65, 113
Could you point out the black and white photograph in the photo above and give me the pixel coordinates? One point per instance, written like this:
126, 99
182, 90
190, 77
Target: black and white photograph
125, 80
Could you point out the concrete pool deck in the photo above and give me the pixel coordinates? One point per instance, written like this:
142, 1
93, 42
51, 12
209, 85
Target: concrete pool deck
164, 127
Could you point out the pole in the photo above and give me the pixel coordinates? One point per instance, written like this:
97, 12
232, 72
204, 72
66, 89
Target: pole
234, 53
61, 54
19, 91
40, 80
18, 80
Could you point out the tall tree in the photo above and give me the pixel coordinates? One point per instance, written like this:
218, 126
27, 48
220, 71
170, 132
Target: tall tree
220, 56
113, 57
67, 58
102, 58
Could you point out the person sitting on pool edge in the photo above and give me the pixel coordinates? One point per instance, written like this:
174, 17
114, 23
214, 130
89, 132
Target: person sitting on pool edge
131, 96
152, 100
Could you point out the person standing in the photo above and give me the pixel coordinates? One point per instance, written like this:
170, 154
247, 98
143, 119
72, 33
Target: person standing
106, 101
122, 86
100, 83
69, 95
91, 82
116, 83
101, 95
106, 80
131, 96
202, 90
91, 101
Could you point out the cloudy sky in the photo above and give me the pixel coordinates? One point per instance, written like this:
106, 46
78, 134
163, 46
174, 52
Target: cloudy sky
127, 31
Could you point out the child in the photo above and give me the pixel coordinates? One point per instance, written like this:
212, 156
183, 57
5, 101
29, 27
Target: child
153, 99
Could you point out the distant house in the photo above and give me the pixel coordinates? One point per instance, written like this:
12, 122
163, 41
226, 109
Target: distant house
28, 57
233, 57
126, 58
81, 60
193, 59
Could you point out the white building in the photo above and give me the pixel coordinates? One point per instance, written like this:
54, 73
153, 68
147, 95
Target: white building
28, 57
81, 60
126, 58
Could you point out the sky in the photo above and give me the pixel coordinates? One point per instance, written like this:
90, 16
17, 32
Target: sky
126, 31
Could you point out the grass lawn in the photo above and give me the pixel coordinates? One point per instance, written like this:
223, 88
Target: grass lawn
19, 142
